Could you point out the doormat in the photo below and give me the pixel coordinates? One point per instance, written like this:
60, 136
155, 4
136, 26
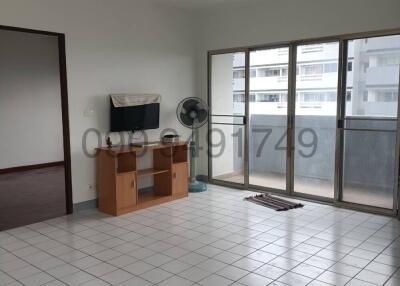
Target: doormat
274, 203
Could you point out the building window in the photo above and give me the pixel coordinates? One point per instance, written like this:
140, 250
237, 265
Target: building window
389, 60
239, 74
268, 97
284, 72
268, 72
365, 67
348, 95
386, 96
253, 73
331, 67
238, 97
252, 97
309, 96
315, 69
349, 66
329, 96
365, 95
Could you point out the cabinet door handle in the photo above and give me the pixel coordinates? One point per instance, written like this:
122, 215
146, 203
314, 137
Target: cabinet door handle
133, 184
174, 175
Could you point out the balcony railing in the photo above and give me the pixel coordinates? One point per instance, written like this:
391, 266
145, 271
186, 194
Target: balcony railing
312, 49
311, 77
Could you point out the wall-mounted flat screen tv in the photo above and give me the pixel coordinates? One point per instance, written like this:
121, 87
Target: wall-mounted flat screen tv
138, 117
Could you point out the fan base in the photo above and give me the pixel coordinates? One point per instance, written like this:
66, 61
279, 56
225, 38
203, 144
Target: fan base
197, 187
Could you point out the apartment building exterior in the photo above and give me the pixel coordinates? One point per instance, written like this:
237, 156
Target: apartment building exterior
372, 73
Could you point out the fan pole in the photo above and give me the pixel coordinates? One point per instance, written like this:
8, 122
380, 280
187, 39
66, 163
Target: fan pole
194, 185
193, 156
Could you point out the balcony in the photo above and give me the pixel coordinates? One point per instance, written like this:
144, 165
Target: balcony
315, 174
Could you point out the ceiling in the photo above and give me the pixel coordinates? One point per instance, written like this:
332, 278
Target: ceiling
200, 4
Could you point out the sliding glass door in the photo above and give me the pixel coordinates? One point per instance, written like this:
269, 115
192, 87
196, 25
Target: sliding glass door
315, 119
370, 121
227, 121
268, 110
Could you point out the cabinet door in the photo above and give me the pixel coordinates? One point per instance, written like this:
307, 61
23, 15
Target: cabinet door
126, 190
179, 179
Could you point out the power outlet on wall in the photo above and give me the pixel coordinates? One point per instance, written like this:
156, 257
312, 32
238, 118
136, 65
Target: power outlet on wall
91, 187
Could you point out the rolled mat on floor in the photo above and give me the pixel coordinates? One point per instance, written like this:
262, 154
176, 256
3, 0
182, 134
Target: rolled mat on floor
274, 203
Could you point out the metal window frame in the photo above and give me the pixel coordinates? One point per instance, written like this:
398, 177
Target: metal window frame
340, 115
293, 115
210, 122
396, 196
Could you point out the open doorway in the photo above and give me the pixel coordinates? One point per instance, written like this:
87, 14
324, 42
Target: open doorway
35, 176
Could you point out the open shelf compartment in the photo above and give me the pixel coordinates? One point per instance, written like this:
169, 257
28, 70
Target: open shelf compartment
179, 154
126, 162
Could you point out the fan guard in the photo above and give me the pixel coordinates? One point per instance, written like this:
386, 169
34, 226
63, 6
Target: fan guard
192, 112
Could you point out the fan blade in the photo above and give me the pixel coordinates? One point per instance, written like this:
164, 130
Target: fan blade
201, 115
185, 118
189, 105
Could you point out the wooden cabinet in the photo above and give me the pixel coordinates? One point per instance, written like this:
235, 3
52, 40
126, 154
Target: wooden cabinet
179, 179
126, 192
118, 173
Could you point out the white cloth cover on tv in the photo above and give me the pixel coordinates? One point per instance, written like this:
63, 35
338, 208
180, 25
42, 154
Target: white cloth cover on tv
124, 100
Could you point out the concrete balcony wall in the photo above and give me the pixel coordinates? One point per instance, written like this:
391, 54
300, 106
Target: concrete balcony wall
269, 83
380, 109
369, 158
272, 159
321, 52
238, 84
382, 43
386, 75
269, 57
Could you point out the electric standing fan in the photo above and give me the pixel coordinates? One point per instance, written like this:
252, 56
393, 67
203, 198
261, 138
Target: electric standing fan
192, 112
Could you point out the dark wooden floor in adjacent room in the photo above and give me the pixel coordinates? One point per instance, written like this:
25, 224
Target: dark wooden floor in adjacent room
31, 196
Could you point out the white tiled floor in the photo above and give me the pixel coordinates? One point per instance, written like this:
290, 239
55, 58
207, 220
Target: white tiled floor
211, 238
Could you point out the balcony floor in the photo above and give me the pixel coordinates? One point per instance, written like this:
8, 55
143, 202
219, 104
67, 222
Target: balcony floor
380, 197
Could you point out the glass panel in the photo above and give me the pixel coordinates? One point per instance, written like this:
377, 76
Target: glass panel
369, 160
315, 119
227, 153
371, 123
228, 98
373, 80
227, 119
228, 84
369, 153
268, 118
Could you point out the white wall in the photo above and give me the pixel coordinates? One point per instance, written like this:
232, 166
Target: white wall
30, 100
136, 46
269, 21
111, 47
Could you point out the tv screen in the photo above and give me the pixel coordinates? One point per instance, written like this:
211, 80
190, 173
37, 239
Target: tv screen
139, 117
